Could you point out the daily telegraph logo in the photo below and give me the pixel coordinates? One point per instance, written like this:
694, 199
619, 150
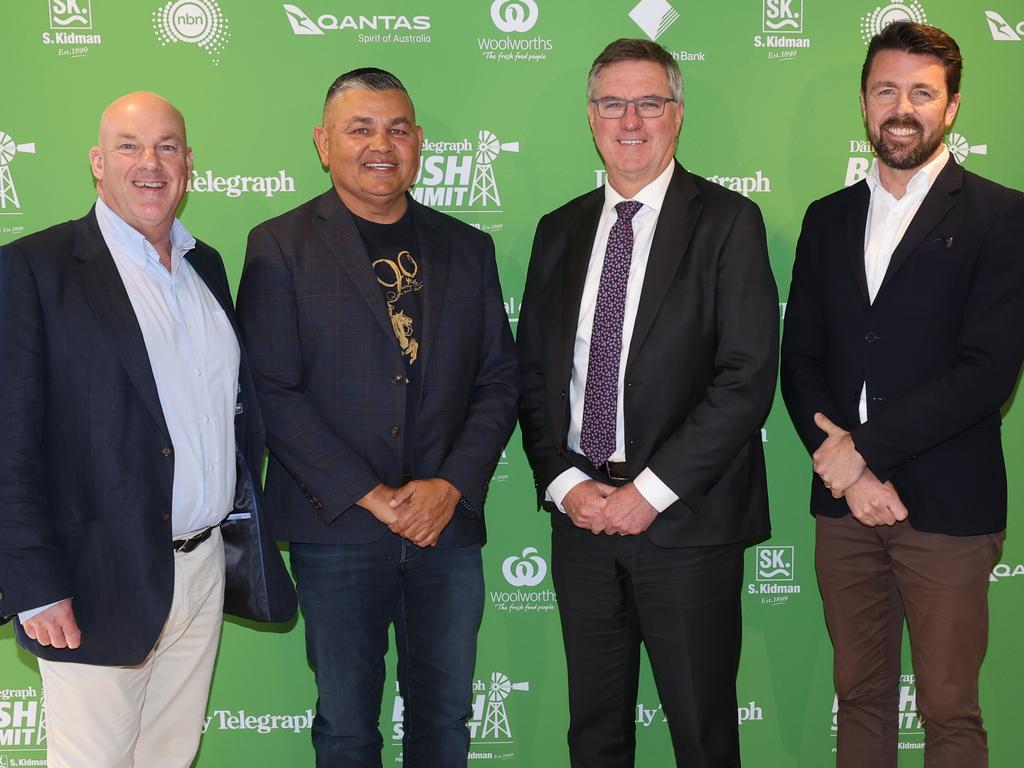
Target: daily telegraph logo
883, 15
70, 14
389, 28
775, 572
22, 718
240, 720
654, 17
196, 22
911, 727
526, 570
10, 203
458, 176
647, 716
236, 186
1001, 29
514, 15
489, 721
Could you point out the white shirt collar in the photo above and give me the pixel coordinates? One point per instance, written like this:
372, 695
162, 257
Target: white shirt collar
652, 196
118, 233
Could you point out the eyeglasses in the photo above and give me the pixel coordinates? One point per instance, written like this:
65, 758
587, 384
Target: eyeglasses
649, 106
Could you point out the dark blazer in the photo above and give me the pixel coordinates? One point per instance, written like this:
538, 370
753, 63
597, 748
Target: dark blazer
86, 462
331, 377
702, 360
940, 348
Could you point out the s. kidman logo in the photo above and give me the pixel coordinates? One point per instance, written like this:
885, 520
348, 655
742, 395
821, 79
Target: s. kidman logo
490, 727
883, 15
72, 27
236, 186
780, 21
527, 569
514, 17
1001, 29
196, 22
775, 572
22, 718
389, 29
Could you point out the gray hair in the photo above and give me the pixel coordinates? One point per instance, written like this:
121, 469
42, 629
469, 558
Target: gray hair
626, 49
364, 78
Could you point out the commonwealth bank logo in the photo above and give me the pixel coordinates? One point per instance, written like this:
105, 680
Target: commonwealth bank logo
196, 22
8, 149
883, 15
526, 570
514, 15
654, 17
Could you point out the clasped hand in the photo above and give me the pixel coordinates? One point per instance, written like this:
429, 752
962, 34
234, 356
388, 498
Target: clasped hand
418, 511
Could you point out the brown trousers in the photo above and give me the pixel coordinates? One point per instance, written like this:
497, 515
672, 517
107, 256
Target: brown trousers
870, 578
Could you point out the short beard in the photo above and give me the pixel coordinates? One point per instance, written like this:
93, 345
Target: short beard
906, 155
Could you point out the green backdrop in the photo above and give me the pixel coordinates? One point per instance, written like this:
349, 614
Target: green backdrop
499, 86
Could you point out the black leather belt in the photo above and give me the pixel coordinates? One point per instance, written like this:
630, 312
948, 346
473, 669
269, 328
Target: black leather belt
616, 470
187, 545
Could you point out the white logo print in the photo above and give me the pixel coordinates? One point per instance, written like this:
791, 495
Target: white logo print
70, 14
527, 570
653, 17
514, 15
960, 149
8, 149
198, 22
1001, 29
301, 23
782, 16
884, 15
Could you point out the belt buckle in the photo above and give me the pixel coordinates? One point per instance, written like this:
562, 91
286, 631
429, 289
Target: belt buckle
611, 472
190, 544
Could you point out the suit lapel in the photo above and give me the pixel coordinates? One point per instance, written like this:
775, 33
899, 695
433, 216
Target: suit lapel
856, 222
433, 257
334, 226
579, 246
105, 292
934, 208
676, 221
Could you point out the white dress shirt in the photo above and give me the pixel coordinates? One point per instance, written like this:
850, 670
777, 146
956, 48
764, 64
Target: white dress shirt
888, 219
652, 197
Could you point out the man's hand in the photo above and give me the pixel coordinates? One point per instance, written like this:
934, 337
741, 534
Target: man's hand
627, 512
584, 504
836, 461
55, 626
376, 502
874, 503
423, 509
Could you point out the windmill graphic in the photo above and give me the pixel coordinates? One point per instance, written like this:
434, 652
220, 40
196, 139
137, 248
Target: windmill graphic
41, 724
485, 189
8, 149
496, 718
960, 149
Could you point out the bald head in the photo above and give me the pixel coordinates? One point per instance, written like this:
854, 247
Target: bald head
142, 163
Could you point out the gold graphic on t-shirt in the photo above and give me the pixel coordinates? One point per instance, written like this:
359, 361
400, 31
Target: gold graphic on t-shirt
401, 281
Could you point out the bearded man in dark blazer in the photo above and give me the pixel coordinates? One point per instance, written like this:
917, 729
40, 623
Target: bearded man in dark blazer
131, 513
386, 368
902, 342
648, 348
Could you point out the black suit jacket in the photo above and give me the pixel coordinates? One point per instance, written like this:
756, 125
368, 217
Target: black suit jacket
700, 375
331, 376
940, 348
86, 462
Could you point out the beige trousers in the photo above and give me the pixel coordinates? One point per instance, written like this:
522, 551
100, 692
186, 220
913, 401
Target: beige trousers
149, 715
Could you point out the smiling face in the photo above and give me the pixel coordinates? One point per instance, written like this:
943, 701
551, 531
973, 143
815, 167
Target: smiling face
907, 108
371, 144
635, 150
142, 163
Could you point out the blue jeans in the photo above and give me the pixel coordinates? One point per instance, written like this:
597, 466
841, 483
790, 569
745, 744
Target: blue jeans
349, 594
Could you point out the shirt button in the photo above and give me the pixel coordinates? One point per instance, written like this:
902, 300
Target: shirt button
396, 431
398, 378
206, 420
165, 516
199, 373
871, 337
166, 451
188, 326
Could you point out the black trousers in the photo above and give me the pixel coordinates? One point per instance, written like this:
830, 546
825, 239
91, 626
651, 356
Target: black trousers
683, 604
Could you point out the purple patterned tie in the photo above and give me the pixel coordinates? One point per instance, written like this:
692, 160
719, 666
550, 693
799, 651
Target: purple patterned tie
600, 399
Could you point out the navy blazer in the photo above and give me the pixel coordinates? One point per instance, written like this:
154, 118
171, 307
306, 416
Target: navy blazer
86, 461
700, 375
940, 348
331, 377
